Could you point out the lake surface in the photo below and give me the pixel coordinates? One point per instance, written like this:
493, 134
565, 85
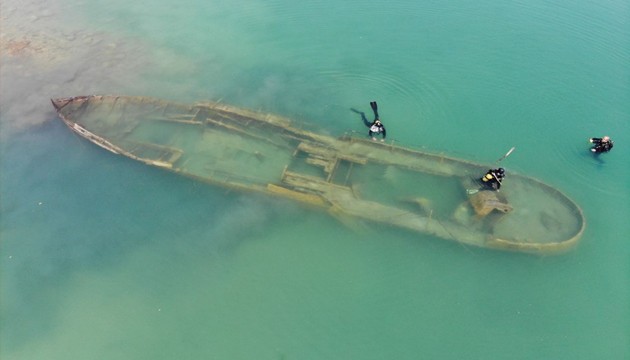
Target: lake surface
104, 258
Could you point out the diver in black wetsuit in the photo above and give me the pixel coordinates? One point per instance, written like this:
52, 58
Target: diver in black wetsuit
376, 127
601, 145
493, 178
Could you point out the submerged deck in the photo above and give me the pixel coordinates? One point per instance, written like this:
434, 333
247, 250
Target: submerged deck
349, 177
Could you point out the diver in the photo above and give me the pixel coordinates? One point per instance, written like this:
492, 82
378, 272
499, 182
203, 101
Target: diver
376, 127
493, 178
601, 145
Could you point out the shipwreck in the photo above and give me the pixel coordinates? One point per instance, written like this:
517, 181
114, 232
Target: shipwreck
351, 177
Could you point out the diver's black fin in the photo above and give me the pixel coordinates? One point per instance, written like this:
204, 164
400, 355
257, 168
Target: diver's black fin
375, 109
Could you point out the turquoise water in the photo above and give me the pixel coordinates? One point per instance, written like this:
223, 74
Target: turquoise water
104, 258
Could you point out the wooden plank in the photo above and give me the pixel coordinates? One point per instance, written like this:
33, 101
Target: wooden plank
312, 183
296, 195
329, 153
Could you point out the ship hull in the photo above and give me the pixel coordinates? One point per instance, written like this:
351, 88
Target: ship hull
352, 178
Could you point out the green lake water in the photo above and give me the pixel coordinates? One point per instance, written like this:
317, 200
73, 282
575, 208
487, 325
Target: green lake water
104, 258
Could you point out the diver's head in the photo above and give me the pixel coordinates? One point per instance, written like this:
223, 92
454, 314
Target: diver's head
606, 139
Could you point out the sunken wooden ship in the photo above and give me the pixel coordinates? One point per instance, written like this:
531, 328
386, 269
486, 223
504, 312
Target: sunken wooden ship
353, 178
